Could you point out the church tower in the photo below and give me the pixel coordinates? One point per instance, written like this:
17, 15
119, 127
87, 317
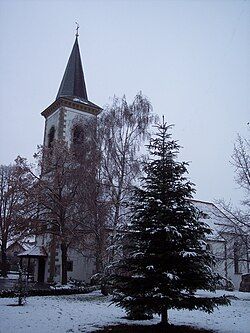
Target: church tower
63, 119
71, 102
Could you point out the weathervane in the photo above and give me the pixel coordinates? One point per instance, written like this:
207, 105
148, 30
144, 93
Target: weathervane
77, 28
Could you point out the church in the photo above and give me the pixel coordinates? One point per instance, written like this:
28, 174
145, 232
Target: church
70, 105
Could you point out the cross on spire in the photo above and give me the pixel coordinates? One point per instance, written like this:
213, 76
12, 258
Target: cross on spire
77, 28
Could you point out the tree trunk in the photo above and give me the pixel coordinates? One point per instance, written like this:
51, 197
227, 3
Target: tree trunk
98, 239
247, 250
98, 261
225, 260
164, 317
117, 213
64, 251
114, 232
4, 269
52, 266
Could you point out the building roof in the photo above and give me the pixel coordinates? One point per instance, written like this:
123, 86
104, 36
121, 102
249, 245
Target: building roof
26, 243
73, 83
75, 103
215, 219
36, 251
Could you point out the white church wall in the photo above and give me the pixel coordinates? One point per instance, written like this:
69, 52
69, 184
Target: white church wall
221, 242
232, 276
83, 266
235, 267
52, 120
224, 265
43, 240
218, 250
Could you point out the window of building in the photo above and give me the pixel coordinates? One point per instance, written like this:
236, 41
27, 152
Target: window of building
51, 136
70, 266
77, 135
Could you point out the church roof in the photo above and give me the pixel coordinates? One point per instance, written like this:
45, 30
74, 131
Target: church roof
215, 219
36, 251
72, 92
73, 83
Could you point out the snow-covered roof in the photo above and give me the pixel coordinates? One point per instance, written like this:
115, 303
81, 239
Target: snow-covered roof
26, 244
216, 219
36, 251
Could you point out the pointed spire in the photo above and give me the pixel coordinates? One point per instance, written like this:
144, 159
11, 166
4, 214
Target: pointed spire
73, 83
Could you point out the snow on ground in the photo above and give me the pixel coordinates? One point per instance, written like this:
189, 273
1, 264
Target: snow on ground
10, 276
85, 313
234, 318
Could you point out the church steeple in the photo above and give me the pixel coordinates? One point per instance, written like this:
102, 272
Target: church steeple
72, 95
73, 83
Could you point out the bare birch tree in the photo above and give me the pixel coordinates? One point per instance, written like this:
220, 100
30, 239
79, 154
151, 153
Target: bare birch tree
239, 227
123, 128
241, 163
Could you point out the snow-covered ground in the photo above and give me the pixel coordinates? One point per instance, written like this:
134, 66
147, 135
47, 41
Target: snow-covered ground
85, 313
11, 276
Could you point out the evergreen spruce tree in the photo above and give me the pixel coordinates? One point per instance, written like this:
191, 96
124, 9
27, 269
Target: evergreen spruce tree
164, 254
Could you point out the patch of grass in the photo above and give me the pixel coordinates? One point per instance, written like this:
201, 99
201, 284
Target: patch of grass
49, 292
151, 329
85, 298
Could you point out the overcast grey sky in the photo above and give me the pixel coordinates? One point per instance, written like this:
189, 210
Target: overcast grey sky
191, 58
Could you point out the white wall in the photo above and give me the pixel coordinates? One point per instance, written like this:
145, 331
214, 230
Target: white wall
83, 267
52, 120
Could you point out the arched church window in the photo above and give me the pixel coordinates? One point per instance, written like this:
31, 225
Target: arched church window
77, 135
51, 136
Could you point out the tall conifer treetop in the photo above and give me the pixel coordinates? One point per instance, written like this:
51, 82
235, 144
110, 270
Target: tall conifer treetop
165, 259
